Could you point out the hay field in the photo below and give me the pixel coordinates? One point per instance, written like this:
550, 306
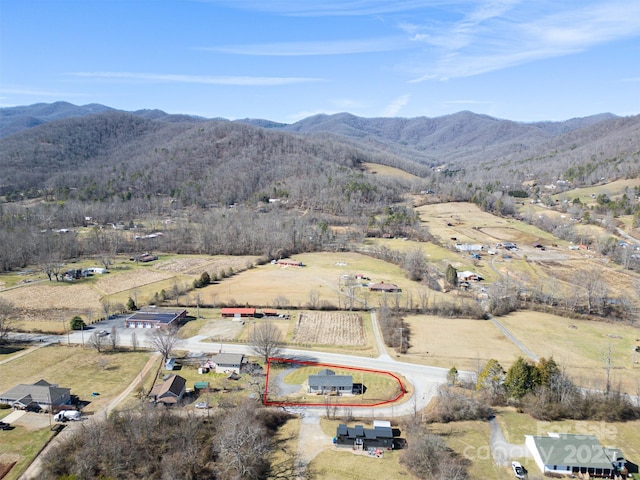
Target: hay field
45, 306
116, 282
378, 169
582, 346
196, 265
464, 343
278, 286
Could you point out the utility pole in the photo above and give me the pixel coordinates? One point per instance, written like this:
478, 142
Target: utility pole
401, 339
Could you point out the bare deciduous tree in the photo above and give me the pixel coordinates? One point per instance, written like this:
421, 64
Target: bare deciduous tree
96, 341
114, 338
164, 340
266, 340
243, 445
5, 320
134, 341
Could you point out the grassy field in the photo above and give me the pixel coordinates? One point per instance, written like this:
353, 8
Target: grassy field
82, 370
582, 347
274, 285
463, 343
579, 346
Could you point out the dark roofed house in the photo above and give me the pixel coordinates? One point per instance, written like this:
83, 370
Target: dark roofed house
155, 319
170, 392
326, 381
359, 437
41, 394
384, 287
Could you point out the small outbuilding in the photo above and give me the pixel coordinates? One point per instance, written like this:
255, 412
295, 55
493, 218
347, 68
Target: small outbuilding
384, 287
232, 312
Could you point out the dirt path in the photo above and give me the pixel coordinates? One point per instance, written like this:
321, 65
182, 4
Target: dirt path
501, 450
311, 440
33, 471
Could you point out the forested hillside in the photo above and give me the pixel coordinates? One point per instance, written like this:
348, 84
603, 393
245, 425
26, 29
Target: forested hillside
286, 184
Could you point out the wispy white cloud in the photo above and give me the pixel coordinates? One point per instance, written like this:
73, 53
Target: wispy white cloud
34, 92
502, 34
332, 47
246, 81
396, 105
326, 8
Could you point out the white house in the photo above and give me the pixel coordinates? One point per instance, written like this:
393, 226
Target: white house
566, 454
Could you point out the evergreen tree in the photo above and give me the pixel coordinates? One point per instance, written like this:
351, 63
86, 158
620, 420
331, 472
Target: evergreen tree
521, 378
77, 323
131, 305
548, 371
452, 275
491, 378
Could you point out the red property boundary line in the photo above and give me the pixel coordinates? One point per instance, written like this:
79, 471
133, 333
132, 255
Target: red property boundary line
403, 391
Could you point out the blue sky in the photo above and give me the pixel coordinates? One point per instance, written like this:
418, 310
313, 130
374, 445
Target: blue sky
285, 60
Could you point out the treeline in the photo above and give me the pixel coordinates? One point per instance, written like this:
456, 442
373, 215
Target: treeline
235, 443
544, 391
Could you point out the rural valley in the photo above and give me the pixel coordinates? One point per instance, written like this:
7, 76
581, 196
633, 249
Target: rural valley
249, 299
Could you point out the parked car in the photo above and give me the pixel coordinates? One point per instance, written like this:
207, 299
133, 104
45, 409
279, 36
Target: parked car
518, 471
203, 405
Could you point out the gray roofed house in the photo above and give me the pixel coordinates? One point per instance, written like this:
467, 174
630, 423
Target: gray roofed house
568, 454
326, 381
41, 394
227, 362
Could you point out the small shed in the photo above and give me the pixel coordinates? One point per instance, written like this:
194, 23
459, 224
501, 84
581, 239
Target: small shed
201, 386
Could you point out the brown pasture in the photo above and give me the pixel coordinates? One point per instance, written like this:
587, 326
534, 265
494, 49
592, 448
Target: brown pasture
330, 328
457, 342
278, 286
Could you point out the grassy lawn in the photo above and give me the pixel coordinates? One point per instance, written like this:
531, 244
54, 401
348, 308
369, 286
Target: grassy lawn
341, 463
470, 440
266, 285
81, 369
22, 445
344, 465
380, 387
